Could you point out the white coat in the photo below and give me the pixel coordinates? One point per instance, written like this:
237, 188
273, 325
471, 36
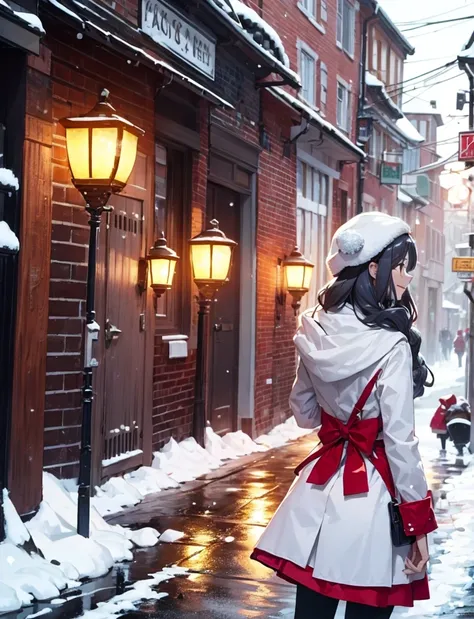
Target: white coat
347, 540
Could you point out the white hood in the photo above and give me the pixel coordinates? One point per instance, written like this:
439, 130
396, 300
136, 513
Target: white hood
345, 347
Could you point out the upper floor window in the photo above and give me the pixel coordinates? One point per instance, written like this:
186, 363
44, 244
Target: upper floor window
411, 159
345, 26
307, 62
309, 6
316, 11
343, 114
324, 88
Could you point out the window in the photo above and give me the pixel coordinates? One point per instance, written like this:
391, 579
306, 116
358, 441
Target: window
383, 63
343, 107
375, 151
423, 128
411, 159
345, 26
172, 199
324, 88
324, 10
309, 7
392, 77
312, 227
308, 74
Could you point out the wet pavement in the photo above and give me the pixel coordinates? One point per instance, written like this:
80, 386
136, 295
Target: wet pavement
223, 519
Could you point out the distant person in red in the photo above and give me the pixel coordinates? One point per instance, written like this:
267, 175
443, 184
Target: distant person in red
438, 421
460, 346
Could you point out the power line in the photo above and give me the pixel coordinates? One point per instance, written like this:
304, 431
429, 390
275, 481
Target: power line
424, 34
426, 59
416, 77
442, 21
417, 21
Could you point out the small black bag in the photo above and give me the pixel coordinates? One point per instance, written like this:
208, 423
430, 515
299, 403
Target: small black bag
399, 538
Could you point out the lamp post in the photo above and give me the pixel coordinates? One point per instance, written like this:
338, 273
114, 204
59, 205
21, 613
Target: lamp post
211, 259
297, 273
101, 148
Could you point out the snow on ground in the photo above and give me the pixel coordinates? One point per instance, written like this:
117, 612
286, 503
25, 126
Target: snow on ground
8, 238
177, 463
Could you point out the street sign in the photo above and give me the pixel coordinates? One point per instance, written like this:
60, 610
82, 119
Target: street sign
466, 146
463, 265
391, 173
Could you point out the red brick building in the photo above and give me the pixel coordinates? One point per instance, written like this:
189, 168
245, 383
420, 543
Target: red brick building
216, 145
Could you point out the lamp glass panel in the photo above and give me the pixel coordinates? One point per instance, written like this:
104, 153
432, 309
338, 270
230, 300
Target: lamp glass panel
104, 149
201, 261
162, 271
77, 142
295, 276
308, 273
221, 255
128, 153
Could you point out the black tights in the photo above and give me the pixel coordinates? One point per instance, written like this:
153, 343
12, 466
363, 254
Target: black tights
312, 605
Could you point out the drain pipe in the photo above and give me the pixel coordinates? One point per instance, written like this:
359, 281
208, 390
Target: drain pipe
361, 104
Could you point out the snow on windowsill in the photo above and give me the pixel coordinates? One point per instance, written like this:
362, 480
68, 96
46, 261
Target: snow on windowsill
8, 239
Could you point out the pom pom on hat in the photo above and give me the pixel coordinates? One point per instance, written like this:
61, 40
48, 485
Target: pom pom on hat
350, 242
362, 238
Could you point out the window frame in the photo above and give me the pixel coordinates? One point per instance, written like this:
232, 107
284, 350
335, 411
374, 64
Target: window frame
347, 107
345, 25
323, 87
305, 50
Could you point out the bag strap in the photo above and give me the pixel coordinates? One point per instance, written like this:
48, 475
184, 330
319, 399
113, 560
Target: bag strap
361, 402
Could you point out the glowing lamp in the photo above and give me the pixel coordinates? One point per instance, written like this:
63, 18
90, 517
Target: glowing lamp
297, 272
211, 259
101, 148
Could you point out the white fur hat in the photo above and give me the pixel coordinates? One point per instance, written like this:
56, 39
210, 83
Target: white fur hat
363, 237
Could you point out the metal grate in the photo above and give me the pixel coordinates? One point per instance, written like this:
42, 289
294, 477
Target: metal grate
127, 223
121, 440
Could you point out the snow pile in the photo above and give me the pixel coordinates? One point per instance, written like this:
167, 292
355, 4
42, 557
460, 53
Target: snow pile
8, 179
8, 239
141, 590
281, 434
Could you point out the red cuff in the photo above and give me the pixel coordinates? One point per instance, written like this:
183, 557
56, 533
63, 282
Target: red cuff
418, 516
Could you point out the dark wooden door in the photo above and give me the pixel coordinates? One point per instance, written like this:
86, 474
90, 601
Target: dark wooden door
123, 334
223, 205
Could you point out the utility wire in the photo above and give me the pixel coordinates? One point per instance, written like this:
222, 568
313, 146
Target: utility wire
421, 79
417, 21
442, 21
424, 34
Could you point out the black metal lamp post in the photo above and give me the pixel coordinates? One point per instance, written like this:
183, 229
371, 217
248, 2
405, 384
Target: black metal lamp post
101, 148
297, 272
211, 259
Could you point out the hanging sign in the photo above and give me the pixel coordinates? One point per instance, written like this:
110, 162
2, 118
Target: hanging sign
466, 146
462, 265
169, 28
391, 173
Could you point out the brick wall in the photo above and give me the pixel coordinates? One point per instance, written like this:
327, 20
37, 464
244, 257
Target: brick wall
276, 234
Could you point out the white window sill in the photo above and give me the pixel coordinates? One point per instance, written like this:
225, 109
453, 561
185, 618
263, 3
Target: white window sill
348, 54
310, 104
312, 19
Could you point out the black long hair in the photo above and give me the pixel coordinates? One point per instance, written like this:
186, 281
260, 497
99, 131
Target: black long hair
375, 303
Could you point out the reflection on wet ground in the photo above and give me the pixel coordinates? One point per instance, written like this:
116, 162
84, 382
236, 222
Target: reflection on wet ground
222, 521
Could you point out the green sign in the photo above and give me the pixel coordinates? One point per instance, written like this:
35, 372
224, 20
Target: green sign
391, 173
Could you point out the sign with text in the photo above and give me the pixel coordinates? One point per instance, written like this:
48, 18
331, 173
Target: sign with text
172, 30
466, 146
462, 265
391, 173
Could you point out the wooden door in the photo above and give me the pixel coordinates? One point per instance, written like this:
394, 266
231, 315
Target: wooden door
223, 205
123, 335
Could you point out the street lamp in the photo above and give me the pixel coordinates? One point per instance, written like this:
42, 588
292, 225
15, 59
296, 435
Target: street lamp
297, 273
101, 148
161, 261
211, 260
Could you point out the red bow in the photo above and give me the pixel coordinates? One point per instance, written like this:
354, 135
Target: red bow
360, 435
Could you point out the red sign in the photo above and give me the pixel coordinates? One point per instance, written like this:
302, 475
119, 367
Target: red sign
466, 146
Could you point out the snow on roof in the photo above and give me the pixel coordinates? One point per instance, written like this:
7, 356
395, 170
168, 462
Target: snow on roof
270, 44
403, 196
8, 179
30, 18
8, 239
373, 81
298, 104
409, 130
467, 52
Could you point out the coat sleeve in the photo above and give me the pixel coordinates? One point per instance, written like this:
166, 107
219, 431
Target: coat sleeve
303, 401
395, 393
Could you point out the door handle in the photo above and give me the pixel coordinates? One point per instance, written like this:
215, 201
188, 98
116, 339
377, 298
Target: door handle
224, 326
111, 333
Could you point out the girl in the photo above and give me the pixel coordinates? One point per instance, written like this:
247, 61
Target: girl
338, 533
